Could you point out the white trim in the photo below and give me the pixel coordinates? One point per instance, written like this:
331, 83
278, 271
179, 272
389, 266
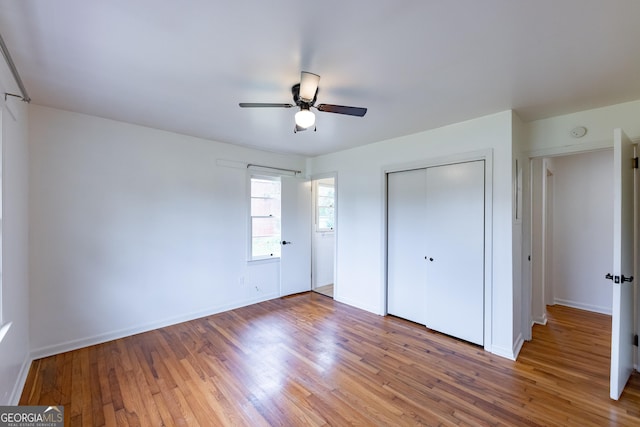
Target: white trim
359, 305
542, 154
249, 240
487, 156
333, 175
437, 161
51, 350
517, 346
507, 353
540, 320
569, 149
581, 306
18, 387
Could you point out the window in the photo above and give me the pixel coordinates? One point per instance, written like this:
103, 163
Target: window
265, 217
325, 207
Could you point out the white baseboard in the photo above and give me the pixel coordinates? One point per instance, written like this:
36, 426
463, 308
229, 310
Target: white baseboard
507, 353
20, 382
540, 320
582, 306
517, 346
356, 304
113, 335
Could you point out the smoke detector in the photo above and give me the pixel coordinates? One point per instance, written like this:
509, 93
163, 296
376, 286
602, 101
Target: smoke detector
578, 131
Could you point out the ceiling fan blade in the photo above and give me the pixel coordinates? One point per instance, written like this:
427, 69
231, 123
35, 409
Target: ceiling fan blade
342, 109
308, 86
264, 104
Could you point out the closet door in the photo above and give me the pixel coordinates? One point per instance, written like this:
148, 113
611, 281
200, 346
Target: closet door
454, 222
406, 274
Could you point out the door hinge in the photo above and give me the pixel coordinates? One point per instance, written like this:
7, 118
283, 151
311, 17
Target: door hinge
635, 340
635, 163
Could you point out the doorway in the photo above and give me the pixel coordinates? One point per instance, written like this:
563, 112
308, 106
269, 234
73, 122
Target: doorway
572, 221
323, 235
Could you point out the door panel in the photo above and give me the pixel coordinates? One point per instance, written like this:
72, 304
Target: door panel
623, 230
295, 261
405, 243
455, 248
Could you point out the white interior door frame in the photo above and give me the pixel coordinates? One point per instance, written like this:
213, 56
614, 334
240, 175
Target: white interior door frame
333, 175
487, 156
596, 146
547, 233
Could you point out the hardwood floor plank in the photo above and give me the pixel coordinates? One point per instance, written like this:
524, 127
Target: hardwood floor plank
109, 416
308, 360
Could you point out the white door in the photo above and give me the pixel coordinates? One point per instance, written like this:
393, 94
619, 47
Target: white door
406, 280
295, 261
455, 250
623, 283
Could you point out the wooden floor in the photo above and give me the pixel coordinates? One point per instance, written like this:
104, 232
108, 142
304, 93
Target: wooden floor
326, 290
308, 360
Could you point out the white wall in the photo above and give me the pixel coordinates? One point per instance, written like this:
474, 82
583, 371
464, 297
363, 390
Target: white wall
551, 136
583, 224
361, 214
14, 348
134, 228
520, 242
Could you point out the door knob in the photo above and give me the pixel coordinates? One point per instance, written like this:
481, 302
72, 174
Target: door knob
619, 279
284, 242
429, 258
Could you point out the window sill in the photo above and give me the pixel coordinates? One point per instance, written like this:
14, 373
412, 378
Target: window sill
263, 260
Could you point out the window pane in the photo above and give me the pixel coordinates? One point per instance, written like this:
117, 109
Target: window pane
265, 207
265, 247
325, 212
265, 218
325, 201
265, 188
325, 223
262, 227
265, 241
325, 191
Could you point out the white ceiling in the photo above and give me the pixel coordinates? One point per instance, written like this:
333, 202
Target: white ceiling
183, 66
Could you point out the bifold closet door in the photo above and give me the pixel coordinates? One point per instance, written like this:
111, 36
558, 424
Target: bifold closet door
454, 222
406, 267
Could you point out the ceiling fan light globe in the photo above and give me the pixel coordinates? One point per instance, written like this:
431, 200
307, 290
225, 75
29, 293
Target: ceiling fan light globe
305, 118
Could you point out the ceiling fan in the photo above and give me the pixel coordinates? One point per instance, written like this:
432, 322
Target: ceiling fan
304, 97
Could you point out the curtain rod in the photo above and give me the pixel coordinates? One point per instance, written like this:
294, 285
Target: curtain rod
271, 167
14, 71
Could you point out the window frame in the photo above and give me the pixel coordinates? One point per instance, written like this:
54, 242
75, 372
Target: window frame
320, 229
250, 241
